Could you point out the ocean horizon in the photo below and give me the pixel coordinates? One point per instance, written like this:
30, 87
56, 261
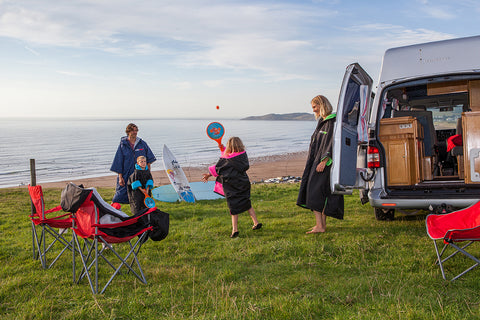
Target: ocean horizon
66, 149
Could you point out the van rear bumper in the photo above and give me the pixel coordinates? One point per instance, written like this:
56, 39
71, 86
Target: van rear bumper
377, 199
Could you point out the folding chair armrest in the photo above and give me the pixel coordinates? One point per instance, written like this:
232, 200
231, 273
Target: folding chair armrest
128, 222
57, 208
457, 235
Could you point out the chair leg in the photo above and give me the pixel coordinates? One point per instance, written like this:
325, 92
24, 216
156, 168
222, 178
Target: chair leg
461, 249
439, 258
37, 243
458, 249
84, 260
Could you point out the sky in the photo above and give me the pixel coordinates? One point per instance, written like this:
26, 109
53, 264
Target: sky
140, 59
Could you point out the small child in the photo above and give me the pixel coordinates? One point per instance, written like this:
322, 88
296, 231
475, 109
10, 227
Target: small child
139, 182
233, 182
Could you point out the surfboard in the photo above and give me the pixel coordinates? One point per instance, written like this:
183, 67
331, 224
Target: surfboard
201, 191
176, 176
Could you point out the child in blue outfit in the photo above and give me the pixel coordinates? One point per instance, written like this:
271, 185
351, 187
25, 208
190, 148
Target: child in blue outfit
141, 180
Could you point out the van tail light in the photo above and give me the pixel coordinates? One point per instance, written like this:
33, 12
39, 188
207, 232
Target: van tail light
373, 158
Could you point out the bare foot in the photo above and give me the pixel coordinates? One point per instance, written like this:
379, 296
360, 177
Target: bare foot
316, 230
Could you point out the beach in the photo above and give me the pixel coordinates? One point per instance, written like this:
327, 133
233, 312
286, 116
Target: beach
261, 168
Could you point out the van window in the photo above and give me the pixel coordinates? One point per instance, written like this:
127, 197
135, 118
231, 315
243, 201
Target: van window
445, 117
352, 104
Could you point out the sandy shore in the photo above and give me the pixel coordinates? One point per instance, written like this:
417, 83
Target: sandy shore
262, 168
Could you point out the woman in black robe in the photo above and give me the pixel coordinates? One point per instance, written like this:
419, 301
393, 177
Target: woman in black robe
315, 193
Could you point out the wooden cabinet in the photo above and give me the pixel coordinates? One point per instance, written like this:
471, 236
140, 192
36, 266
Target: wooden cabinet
474, 94
402, 139
471, 146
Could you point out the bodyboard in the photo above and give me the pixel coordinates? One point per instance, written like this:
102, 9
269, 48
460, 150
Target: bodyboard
204, 190
201, 191
165, 193
176, 176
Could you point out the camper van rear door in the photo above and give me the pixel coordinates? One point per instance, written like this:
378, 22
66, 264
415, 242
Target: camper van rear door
350, 131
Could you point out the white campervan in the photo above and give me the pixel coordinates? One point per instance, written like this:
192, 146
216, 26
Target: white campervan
415, 144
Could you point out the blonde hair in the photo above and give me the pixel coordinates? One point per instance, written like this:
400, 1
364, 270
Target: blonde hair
141, 158
324, 104
234, 144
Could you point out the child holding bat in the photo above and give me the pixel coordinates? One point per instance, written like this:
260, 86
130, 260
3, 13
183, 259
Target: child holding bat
233, 182
141, 180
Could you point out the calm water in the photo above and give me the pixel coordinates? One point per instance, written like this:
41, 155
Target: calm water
70, 149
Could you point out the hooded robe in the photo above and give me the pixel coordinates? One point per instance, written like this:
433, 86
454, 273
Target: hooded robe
139, 179
124, 163
315, 193
232, 181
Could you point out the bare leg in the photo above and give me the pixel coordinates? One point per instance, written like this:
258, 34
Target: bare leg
321, 223
234, 223
252, 214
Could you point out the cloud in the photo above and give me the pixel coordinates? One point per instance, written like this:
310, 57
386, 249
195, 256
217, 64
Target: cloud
74, 74
392, 35
439, 12
240, 40
236, 36
34, 52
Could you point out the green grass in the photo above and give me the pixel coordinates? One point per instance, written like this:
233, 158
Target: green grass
360, 269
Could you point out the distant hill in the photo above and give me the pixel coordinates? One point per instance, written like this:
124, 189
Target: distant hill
285, 116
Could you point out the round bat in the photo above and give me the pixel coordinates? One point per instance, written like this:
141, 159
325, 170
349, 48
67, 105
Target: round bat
215, 131
149, 202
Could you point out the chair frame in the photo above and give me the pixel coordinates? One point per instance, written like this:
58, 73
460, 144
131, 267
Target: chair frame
453, 229
48, 226
458, 249
90, 252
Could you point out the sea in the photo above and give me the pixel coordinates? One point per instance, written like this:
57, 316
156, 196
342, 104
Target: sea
74, 149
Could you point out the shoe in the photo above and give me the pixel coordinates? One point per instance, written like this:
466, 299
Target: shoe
234, 235
257, 226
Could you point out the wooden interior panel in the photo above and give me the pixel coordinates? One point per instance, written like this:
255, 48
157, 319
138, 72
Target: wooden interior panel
471, 140
447, 87
474, 95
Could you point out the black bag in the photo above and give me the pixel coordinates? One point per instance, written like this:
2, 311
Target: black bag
160, 221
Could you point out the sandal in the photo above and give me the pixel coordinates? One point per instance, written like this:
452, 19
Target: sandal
257, 226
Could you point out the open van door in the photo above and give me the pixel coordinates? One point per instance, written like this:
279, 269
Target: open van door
351, 131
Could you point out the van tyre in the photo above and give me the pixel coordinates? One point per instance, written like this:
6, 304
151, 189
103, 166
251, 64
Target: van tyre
384, 214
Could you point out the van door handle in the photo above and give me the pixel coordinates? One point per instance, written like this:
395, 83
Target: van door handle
348, 141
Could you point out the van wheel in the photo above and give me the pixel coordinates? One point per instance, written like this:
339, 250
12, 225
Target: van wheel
384, 214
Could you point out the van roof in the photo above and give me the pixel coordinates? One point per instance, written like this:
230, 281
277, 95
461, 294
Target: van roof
432, 58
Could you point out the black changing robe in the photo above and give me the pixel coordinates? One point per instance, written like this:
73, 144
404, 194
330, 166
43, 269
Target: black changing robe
315, 193
232, 174
142, 179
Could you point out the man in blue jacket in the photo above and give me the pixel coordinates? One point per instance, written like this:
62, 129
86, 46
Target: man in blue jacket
130, 148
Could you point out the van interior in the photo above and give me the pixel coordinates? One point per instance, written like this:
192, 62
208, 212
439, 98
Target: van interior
430, 132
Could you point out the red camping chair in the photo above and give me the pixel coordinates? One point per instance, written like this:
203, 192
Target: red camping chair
48, 226
453, 228
99, 236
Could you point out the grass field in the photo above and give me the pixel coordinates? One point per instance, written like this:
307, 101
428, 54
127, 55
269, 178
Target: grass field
360, 269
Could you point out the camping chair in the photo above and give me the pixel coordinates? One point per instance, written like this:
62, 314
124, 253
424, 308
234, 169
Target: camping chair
100, 225
453, 228
55, 226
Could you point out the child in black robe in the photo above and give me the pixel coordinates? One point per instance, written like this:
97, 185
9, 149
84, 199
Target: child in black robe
233, 182
141, 180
